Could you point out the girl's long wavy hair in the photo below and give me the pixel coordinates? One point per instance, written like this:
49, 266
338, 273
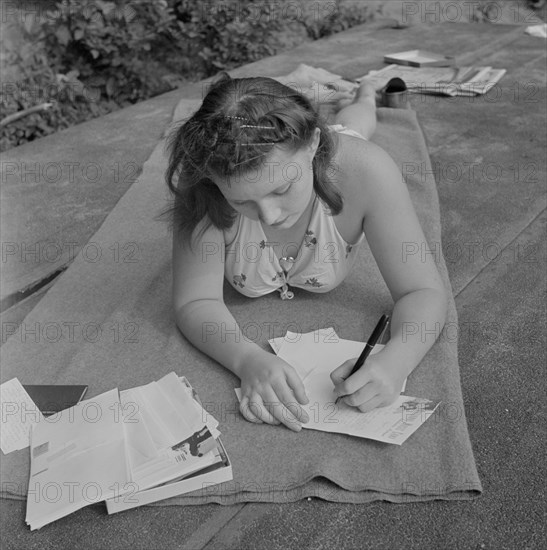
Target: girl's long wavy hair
238, 124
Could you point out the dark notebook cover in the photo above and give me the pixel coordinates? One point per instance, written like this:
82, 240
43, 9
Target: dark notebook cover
52, 399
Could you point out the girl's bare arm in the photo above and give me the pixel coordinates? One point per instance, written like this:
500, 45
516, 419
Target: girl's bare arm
269, 385
407, 263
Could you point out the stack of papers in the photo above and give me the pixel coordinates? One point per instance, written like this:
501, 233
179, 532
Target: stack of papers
448, 81
78, 457
168, 434
314, 355
118, 445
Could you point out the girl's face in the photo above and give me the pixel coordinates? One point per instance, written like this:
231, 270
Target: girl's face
277, 193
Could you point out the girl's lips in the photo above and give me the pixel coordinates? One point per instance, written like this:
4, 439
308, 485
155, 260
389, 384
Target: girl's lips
277, 224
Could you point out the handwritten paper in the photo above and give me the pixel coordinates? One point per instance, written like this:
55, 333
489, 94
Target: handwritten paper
320, 350
391, 424
19, 414
314, 355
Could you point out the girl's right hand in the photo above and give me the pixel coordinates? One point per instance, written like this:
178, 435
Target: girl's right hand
272, 392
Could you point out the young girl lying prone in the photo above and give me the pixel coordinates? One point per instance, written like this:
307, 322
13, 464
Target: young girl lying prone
254, 164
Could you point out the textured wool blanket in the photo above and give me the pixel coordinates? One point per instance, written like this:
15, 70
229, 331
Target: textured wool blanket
108, 322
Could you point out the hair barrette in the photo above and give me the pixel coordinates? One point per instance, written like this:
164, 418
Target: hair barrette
255, 126
258, 143
248, 143
259, 127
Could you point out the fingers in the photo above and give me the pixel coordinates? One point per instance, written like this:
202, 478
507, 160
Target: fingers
342, 372
346, 383
296, 385
270, 410
253, 409
299, 391
284, 412
245, 410
376, 401
273, 395
368, 396
290, 409
361, 396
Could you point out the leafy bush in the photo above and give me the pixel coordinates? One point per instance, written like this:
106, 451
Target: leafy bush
87, 58
116, 48
90, 57
220, 35
341, 18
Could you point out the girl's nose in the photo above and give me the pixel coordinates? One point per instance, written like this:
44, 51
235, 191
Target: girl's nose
270, 214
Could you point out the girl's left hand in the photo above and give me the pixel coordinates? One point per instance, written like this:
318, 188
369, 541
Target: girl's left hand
376, 384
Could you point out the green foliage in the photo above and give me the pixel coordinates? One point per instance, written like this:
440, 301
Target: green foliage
221, 35
116, 47
38, 83
90, 57
484, 11
337, 18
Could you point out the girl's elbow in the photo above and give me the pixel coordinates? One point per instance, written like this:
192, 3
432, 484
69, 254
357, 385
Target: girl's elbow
442, 302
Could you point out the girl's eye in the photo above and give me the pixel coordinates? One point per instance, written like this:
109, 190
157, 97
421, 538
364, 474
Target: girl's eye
285, 191
237, 203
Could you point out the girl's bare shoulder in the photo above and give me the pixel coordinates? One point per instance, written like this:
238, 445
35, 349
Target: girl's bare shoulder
360, 167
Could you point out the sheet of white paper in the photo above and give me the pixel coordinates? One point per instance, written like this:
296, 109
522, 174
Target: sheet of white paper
323, 335
19, 414
323, 350
182, 401
140, 445
138, 399
205, 417
314, 355
391, 424
174, 464
78, 457
164, 418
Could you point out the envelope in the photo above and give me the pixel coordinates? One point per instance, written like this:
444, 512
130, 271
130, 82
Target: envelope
78, 457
